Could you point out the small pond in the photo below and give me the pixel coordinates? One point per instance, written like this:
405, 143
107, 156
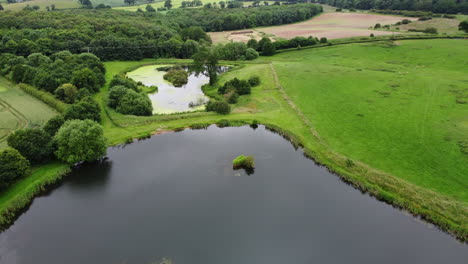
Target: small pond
175, 195
171, 99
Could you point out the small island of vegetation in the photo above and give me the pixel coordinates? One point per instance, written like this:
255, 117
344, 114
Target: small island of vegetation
243, 162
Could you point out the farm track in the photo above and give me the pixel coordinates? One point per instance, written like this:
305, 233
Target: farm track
22, 121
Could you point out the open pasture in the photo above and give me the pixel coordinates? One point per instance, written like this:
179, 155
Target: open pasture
398, 107
329, 25
59, 4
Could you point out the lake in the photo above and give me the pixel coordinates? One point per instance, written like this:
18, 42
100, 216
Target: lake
176, 196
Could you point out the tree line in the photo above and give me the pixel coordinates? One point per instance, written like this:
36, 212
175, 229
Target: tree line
435, 6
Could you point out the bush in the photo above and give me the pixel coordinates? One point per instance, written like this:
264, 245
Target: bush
240, 86
218, 107
232, 97
251, 54
254, 81
323, 40
377, 26
405, 21
127, 82
223, 123
133, 103
254, 124
13, 166
338, 10
53, 125
430, 30
87, 108
86, 79
115, 93
33, 144
177, 77
372, 35
243, 162
424, 18
73, 134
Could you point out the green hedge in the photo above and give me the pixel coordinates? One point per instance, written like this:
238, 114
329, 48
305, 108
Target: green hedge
45, 97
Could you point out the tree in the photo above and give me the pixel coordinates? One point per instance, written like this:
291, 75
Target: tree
87, 108
53, 125
13, 166
168, 4
133, 103
34, 144
207, 59
463, 26
85, 78
80, 140
266, 47
129, 2
150, 8
66, 92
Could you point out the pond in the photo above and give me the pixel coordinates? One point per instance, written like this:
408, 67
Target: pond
176, 196
170, 99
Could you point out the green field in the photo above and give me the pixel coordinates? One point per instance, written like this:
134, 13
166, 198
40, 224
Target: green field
19, 110
398, 108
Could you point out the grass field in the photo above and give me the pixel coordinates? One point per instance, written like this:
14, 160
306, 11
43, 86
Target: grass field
329, 25
59, 4
393, 107
443, 25
19, 110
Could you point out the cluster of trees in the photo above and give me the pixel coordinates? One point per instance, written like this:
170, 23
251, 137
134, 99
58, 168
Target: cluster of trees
177, 76
69, 76
234, 88
221, 19
127, 98
57, 139
185, 4
109, 34
436, 6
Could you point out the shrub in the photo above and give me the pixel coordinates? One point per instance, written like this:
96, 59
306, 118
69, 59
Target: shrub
254, 81
240, 86
463, 26
372, 35
430, 30
218, 107
87, 108
339, 10
133, 103
13, 166
405, 21
323, 40
223, 123
73, 134
200, 126
243, 162
352, 10
53, 125
254, 124
377, 26
33, 144
177, 77
424, 18
251, 54
127, 82
232, 97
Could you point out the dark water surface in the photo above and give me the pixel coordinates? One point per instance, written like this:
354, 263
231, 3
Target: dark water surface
176, 196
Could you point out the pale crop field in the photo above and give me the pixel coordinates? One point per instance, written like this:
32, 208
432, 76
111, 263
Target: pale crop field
329, 25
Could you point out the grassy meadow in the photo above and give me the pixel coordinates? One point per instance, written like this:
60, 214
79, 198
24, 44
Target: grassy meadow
398, 108
19, 110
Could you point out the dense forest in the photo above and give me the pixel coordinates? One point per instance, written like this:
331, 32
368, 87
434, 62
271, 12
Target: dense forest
435, 6
215, 19
122, 35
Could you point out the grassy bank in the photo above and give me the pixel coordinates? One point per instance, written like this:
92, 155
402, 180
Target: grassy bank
18, 196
